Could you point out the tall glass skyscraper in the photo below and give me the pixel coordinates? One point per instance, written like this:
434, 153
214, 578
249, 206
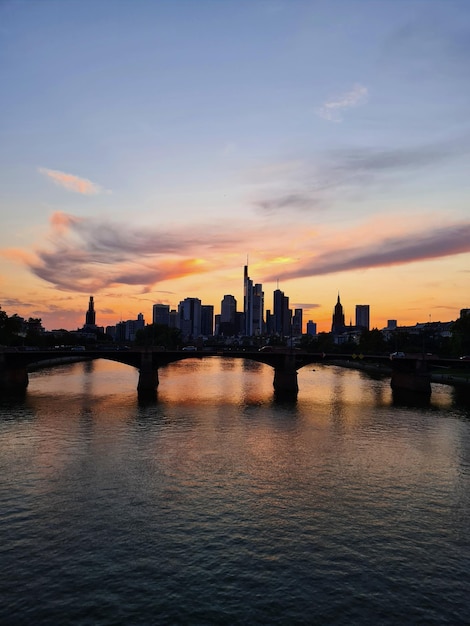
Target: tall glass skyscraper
363, 316
189, 318
248, 302
253, 305
161, 314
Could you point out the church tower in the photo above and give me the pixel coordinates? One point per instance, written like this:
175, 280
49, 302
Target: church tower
90, 316
337, 325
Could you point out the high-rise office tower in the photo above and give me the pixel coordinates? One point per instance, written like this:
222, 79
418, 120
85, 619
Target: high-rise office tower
297, 322
258, 309
161, 314
207, 320
248, 302
282, 314
253, 306
337, 324
173, 318
228, 309
311, 328
270, 323
227, 325
189, 318
90, 316
363, 316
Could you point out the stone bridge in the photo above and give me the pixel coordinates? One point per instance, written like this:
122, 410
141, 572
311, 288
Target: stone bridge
410, 372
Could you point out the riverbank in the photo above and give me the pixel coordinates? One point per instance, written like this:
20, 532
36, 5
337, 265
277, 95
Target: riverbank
34, 367
450, 377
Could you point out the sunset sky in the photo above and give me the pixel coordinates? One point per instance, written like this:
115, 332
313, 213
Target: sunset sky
148, 148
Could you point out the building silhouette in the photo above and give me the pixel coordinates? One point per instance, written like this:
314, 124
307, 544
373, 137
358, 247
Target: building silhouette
247, 302
258, 310
282, 315
253, 306
207, 319
161, 314
363, 316
189, 319
126, 331
90, 315
297, 322
226, 322
311, 328
228, 309
337, 325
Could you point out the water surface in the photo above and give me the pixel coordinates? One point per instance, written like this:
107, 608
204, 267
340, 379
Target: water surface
216, 504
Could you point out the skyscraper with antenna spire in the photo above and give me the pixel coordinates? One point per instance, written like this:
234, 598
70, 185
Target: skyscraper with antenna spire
248, 301
253, 305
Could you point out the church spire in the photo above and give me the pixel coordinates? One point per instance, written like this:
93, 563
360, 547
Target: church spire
337, 323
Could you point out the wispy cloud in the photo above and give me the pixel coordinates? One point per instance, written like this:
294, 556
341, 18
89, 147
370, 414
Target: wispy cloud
296, 200
332, 110
428, 243
306, 306
15, 303
88, 255
71, 182
313, 185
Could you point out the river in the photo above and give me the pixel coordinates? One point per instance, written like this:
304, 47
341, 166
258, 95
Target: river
217, 504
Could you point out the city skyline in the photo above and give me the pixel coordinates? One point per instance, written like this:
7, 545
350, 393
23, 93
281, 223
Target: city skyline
228, 309
148, 149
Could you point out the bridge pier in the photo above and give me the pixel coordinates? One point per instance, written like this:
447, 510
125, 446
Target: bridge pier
148, 375
13, 379
285, 380
413, 377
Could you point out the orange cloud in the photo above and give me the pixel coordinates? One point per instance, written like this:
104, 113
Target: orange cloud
19, 256
61, 222
71, 182
88, 254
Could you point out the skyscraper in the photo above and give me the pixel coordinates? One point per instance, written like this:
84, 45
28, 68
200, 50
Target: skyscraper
363, 316
311, 328
161, 314
282, 313
248, 302
228, 314
297, 322
228, 308
258, 310
207, 319
189, 318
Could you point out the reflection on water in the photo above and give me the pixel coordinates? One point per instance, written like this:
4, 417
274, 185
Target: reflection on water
214, 503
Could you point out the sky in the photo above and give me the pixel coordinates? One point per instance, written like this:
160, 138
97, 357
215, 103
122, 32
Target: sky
149, 148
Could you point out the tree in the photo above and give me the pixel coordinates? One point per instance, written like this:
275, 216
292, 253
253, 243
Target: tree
372, 342
323, 342
461, 335
10, 327
158, 335
34, 332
